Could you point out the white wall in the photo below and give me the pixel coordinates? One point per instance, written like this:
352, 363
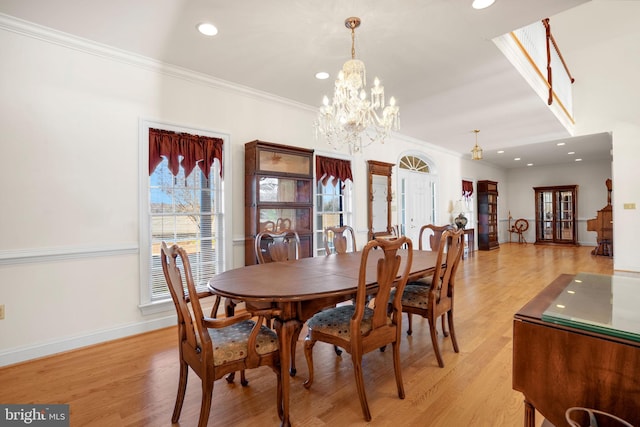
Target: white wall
626, 173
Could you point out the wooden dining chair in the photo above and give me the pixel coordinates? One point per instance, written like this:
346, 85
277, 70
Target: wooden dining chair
436, 300
282, 245
212, 347
337, 239
361, 328
432, 233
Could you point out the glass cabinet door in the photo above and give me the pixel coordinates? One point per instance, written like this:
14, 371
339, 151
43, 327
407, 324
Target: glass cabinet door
288, 190
271, 161
555, 214
564, 216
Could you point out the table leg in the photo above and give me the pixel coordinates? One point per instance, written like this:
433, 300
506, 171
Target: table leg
287, 331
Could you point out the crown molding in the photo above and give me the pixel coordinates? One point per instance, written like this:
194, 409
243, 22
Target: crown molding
70, 41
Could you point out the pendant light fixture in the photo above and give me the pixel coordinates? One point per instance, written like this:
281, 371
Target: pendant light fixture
476, 153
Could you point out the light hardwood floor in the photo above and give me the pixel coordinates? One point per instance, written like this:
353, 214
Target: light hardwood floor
133, 381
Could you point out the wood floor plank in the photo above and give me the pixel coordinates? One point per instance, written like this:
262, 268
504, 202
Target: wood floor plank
133, 381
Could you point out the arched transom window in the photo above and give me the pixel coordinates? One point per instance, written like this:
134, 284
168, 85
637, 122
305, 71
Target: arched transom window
414, 163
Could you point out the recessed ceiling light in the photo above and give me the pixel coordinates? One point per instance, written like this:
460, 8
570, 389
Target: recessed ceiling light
322, 75
481, 4
578, 160
560, 144
517, 158
571, 152
500, 151
529, 164
207, 28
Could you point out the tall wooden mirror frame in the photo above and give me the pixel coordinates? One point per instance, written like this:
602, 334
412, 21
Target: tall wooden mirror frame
379, 188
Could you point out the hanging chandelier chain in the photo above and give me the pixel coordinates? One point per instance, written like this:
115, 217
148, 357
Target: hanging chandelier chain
352, 23
353, 43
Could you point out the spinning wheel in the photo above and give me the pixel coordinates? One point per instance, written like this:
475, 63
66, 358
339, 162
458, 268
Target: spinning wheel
520, 226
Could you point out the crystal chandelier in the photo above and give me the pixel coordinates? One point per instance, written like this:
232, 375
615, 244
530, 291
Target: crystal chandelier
476, 153
354, 118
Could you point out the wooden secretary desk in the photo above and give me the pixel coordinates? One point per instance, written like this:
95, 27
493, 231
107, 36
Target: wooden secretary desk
577, 343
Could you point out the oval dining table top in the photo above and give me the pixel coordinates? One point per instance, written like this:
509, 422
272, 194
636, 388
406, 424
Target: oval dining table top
308, 278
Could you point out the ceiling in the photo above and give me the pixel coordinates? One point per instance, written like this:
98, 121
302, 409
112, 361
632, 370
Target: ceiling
435, 56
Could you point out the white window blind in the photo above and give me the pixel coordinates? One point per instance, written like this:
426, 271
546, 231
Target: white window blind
185, 211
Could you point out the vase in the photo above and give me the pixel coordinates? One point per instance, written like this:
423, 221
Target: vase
460, 221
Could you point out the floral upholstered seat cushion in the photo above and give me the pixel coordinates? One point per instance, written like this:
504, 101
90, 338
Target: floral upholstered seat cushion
423, 281
230, 343
336, 321
415, 295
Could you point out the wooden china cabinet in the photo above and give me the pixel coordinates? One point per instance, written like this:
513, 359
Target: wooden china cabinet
487, 215
278, 193
556, 213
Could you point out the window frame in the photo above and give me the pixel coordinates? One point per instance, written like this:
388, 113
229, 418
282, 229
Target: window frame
147, 305
347, 213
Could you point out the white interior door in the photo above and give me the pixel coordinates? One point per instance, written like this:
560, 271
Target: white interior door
418, 194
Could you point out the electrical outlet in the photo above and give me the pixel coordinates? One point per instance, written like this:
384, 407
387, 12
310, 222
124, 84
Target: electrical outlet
1, 311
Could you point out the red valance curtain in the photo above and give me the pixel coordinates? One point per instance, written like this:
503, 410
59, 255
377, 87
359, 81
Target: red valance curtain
467, 188
327, 167
194, 149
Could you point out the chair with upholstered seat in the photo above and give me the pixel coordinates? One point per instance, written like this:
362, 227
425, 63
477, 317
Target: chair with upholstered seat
278, 246
361, 328
432, 233
337, 239
272, 246
212, 347
436, 299
275, 246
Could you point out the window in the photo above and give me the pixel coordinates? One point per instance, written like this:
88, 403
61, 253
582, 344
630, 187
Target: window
184, 206
333, 209
333, 196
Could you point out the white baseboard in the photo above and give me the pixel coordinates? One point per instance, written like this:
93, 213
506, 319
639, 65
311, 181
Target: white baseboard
22, 354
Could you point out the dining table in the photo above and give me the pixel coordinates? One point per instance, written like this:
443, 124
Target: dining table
298, 289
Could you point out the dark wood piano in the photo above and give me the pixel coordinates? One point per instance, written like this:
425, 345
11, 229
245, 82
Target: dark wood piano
603, 225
